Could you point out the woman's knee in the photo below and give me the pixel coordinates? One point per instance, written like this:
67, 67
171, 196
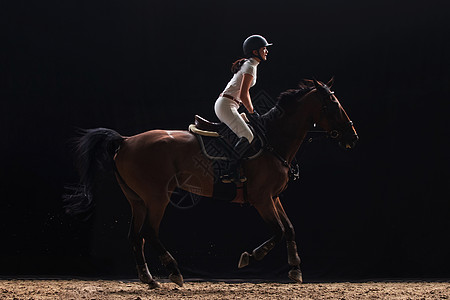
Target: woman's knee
249, 135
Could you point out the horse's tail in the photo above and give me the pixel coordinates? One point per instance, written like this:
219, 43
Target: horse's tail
94, 150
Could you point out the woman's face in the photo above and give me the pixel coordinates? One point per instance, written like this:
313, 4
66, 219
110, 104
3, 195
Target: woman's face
262, 52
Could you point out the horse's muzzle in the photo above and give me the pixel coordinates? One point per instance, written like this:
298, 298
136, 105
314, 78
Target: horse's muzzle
349, 141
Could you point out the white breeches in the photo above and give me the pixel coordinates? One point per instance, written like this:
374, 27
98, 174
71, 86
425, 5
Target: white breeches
227, 112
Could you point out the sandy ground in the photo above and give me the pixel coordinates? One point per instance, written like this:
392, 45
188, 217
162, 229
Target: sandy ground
110, 289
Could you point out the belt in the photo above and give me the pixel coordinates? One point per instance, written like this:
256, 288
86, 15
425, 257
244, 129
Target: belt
231, 97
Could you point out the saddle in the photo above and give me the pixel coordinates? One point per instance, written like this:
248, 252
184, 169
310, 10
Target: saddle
203, 124
204, 127
217, 142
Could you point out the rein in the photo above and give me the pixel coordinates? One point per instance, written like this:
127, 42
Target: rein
294, 169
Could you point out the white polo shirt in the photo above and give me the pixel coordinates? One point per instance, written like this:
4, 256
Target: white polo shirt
234, 86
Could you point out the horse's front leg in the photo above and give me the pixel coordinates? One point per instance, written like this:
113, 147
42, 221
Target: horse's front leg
289, 233
269, 214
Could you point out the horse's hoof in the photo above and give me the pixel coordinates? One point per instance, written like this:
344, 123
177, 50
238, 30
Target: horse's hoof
296, 275
176, 278
153, 284
244, 260
146, 278
144, 274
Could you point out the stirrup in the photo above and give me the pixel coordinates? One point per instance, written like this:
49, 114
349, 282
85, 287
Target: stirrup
241, 179
226, 179
230, 179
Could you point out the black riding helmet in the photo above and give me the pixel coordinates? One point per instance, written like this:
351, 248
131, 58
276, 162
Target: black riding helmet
254, 42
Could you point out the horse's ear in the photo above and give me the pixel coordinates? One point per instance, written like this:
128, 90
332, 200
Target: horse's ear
331, 82
317, 84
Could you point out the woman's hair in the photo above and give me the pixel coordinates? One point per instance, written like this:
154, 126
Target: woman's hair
236, 66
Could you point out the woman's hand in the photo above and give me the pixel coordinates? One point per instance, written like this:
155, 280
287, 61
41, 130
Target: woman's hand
245, 94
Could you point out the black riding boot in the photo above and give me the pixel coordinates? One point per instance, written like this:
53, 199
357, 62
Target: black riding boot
233, 173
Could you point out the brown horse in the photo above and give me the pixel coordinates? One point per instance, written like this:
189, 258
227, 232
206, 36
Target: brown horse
150, 165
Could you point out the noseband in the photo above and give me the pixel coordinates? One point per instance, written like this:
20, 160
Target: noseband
335, 134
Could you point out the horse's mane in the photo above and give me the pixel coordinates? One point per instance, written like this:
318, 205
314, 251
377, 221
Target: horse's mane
289, 97
292, 94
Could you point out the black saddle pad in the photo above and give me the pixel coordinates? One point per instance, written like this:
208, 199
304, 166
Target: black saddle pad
222, 148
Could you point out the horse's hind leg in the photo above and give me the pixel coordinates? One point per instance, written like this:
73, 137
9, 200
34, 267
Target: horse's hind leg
166, 258
137, 243
155, 212
135, 236
289, 233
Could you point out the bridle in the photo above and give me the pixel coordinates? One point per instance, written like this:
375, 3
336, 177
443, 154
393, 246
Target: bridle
332, 134
325, 110
335, 134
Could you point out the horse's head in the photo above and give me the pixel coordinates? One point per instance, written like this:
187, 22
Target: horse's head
333, 118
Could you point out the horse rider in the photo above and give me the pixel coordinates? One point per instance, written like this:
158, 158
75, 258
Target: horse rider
235, 94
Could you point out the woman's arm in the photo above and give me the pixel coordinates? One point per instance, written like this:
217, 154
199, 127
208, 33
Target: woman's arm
245, 94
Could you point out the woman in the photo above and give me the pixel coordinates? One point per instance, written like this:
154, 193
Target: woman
237, 93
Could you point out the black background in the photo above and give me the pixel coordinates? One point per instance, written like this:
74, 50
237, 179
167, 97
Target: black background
381, 210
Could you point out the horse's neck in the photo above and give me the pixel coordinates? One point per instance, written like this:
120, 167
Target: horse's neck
287, 132
286, 143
